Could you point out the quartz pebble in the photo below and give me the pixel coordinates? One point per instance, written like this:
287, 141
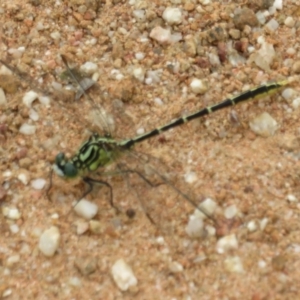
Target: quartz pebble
49, 241
195, 228
89, 68
264, 125
227, 243
11, 213
161, 35
27, 129
172, 15
38, 184
198, 86
3, 100
123, 275
29, 97
86, 209
234, 264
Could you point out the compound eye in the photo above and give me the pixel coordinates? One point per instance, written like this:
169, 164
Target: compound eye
70, 170
59, 159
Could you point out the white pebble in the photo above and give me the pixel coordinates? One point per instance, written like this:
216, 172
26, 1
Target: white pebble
123, 275
45, 100
208, 206
288, 93
227, 243
55, 35
29, 97
264, 125
291, 198
6, 293
139, 55
175, 267
161, 35
38, 184
75, 281
272, 25
172, 15
139, 14
11, 213
27, 129
190, 177
49, 241
89, 68
198, 86
23, 178
263, 223
195, 228
252, 226
33, 115
230, 211
234, 264
289, 21
86, 209
14, 228
154, 75
296, 103
12, 260
158, 101
82, 227
278, 4
3, 100
139, 74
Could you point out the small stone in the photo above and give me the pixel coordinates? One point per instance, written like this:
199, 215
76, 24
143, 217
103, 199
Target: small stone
89, 68
24, 178
161, 35
75, 281
38, 184
86, 209
296, 103
291, 198
86, 265
208, 206
3, 100
227, 243
139, 74
27, 129
14, 228
234, 264
172, 15
296, 67
49, 241
263, 223
289, 21
29, 98
123, 275
244, 17
11, 213
264, 125
95, 227
12, 260
230, 211
190, 177
195, 228
175, 267
252, 226
198, 86
82, 227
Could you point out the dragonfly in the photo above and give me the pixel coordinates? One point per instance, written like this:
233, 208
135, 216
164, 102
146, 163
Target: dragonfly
101, 150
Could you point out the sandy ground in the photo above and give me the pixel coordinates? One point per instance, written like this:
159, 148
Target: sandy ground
229, 163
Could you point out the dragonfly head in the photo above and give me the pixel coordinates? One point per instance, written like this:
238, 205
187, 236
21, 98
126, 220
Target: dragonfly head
64, 167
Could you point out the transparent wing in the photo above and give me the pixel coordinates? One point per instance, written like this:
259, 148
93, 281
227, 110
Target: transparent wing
98, 117
162, 196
